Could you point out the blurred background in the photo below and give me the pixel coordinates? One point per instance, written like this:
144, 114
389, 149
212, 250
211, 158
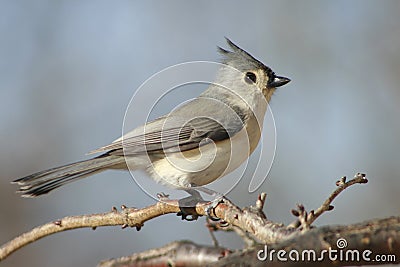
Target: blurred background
69, 68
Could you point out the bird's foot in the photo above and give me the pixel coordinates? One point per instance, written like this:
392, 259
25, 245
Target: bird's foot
210, 210
187, 207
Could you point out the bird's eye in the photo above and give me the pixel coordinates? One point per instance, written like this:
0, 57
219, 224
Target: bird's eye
250, 77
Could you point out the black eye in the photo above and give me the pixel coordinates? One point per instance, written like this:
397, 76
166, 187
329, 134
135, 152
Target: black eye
250, 77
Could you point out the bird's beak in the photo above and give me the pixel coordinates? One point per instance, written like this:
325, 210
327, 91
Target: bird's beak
278, 81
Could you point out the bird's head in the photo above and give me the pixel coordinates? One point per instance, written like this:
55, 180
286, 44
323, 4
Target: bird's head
251, 71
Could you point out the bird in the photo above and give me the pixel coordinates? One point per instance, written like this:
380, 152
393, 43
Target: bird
196, 143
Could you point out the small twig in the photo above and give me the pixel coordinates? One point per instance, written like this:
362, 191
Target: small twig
305, 219
359, 178
261, 201
302, 218
212, 227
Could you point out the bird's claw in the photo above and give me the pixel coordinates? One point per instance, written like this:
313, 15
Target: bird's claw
210, 209
187, 216
187, 208
162, 196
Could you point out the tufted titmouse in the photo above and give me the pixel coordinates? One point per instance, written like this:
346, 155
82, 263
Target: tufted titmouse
196, 143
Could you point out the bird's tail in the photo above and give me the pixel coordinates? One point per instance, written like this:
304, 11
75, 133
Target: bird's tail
43, 182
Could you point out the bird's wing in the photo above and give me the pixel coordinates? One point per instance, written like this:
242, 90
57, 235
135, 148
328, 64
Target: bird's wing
169, 135
181, 129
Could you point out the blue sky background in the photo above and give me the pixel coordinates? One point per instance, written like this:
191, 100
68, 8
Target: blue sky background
69, 68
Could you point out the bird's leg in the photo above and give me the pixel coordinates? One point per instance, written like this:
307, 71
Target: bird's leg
187, 205
210, 208
209, 192
194, 193
218, 198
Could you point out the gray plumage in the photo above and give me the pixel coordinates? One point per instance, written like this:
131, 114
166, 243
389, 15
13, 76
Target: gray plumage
227, 109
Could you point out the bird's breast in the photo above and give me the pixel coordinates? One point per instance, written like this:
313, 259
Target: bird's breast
209, 162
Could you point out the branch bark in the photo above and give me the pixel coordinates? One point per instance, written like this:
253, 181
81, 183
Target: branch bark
246, 219
178, 253
380, 236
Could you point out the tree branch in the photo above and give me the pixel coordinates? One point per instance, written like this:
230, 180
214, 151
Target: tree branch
248, 223
178, 253
381, 237
132, 217
126, 217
